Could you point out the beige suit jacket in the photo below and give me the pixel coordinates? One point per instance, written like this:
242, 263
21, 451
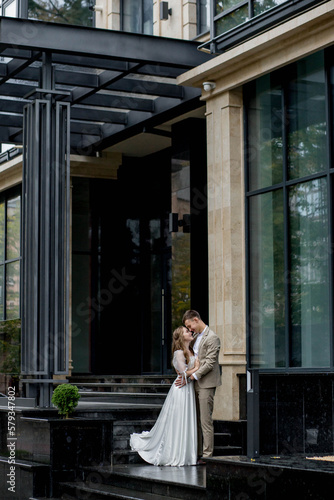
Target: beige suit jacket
208, 374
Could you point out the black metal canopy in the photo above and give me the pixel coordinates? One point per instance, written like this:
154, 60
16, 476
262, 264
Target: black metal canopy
117, 83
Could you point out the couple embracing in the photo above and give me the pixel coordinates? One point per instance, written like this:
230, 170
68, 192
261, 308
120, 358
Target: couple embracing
183, 433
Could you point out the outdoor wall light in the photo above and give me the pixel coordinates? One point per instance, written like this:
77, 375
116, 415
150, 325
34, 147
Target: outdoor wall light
164, 11
207, 86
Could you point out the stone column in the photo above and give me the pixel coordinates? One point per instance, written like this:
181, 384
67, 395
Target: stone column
226, 238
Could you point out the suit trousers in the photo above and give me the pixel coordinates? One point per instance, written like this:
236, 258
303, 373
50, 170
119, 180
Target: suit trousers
205, 430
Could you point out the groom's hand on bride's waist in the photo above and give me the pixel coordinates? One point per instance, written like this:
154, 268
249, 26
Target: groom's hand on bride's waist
180, 381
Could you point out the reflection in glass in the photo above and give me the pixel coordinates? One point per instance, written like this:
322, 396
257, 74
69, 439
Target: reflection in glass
81, 312
267, 298
137, 16
231, 20
307, 118
13, 290
153, 344
74, 12
10, 354
204, 16
181, 291
263, 5
10, 10
265, 136
81, 218
222, 5
13, 228
2, 231
2, 292
310, 345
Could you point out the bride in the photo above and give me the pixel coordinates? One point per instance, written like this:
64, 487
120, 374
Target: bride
173, 439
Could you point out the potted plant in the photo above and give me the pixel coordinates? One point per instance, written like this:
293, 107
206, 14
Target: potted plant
65, 397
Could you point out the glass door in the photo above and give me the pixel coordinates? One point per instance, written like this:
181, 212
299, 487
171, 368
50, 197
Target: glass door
155, 259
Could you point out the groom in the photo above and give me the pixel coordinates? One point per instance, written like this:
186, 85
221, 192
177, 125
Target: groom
206, 347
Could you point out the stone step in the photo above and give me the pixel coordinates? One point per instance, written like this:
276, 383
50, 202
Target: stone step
122, 379
123, 397
44, 498
103, 491
226, 451
123, 457
166, 482
31, 478
122, 431
122, 453
222, 438
124, 387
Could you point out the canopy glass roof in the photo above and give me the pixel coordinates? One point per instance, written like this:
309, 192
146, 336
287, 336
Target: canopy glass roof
118, 83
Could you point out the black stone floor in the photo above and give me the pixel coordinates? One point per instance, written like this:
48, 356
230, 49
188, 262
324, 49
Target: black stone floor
190, 475
298, 462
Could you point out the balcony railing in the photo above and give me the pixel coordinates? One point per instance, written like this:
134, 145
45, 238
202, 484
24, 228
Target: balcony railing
234, 21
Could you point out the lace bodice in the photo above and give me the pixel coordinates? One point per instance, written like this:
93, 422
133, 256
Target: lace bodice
179, 361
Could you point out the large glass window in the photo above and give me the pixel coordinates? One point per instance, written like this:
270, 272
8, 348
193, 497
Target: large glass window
265, 145
10, 248
10, 259
203, 16
137, 16
289, 196
181, 255
309, 278
9, 8
76, 12
267, 278
306, 118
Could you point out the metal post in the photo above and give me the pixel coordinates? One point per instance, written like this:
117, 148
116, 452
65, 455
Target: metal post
46, 215
253, 414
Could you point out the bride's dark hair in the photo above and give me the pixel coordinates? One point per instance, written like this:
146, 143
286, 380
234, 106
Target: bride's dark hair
178, 343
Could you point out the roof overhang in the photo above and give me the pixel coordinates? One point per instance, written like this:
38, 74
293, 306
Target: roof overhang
118, 83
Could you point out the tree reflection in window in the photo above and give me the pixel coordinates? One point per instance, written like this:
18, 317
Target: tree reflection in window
74, 12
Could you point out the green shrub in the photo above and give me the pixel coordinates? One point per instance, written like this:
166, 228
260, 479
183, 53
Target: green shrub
65, 397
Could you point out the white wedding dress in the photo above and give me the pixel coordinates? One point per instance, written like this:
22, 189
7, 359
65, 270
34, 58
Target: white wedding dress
173, 439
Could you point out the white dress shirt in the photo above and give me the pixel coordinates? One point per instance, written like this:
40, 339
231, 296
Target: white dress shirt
196, 346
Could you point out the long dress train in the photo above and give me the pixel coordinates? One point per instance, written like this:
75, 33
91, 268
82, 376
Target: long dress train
173, 438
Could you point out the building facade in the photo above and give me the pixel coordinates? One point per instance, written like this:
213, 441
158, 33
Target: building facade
269, 138
223, 205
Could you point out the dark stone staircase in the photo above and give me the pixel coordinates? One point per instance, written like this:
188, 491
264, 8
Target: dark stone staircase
124, 389
230, 438
100, 468
139, 482
137, 393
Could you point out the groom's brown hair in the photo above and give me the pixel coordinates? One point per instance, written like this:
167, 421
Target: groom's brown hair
190, 314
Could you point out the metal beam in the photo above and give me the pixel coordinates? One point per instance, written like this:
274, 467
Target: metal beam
132, 65
121, 102
147, 87
137, 122
117, 45
15, 66
91, 115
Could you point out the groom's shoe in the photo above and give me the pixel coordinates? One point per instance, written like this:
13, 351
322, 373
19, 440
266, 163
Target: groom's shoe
200, 462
